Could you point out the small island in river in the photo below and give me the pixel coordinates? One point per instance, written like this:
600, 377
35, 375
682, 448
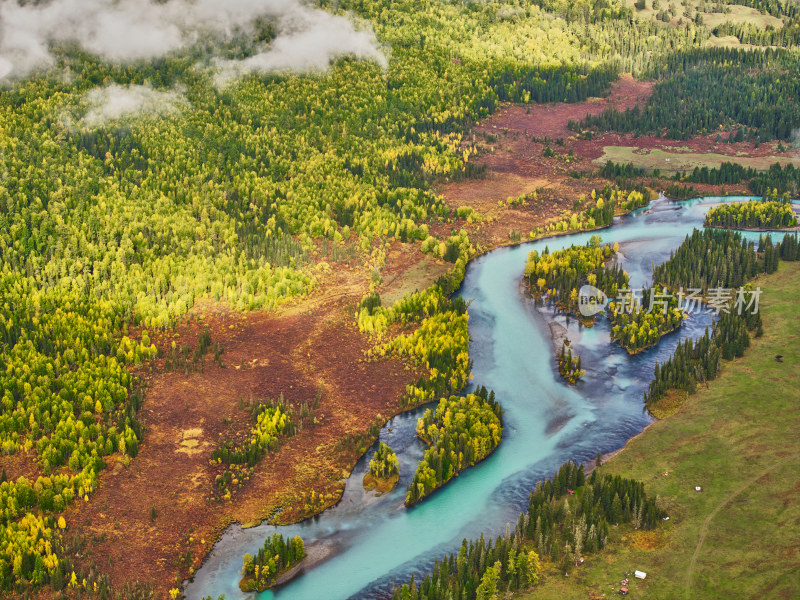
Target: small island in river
274, 559
383, 472
461, 431
755, 215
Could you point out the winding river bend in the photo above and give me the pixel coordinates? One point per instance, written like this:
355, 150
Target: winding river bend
375, 540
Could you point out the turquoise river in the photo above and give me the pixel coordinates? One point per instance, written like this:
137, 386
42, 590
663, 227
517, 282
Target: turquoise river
374, 542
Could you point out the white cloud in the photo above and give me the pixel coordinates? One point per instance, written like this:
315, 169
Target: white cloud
118, 102
308, 39
508, 12
124, 30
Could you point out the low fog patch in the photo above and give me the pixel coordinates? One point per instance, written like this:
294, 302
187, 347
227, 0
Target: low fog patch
116, 102
308, 39
128, 30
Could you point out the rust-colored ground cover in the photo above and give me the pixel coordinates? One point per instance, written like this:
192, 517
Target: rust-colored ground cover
550, 120
512, 145
309, 347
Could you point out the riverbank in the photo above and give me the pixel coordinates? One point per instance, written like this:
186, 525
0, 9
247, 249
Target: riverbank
735, 438
314, 555
758, 229
592, 464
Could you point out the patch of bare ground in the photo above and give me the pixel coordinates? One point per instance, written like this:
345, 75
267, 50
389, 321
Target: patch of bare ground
550, 120
646, 540
155, 519
407, 270
511, 148
512, 144
20, 464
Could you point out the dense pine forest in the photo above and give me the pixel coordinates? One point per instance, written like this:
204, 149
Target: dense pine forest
707, 259
678, 191
776, 180
698, 361
703, 90
567, 517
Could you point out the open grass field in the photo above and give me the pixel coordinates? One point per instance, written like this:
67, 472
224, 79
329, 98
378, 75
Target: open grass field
738, 440
726, 41
739, 14
670, 162
734, 13
407, 272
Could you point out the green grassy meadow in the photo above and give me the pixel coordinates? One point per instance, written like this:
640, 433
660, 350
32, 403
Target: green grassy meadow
734, 13
671, 162
739, 439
